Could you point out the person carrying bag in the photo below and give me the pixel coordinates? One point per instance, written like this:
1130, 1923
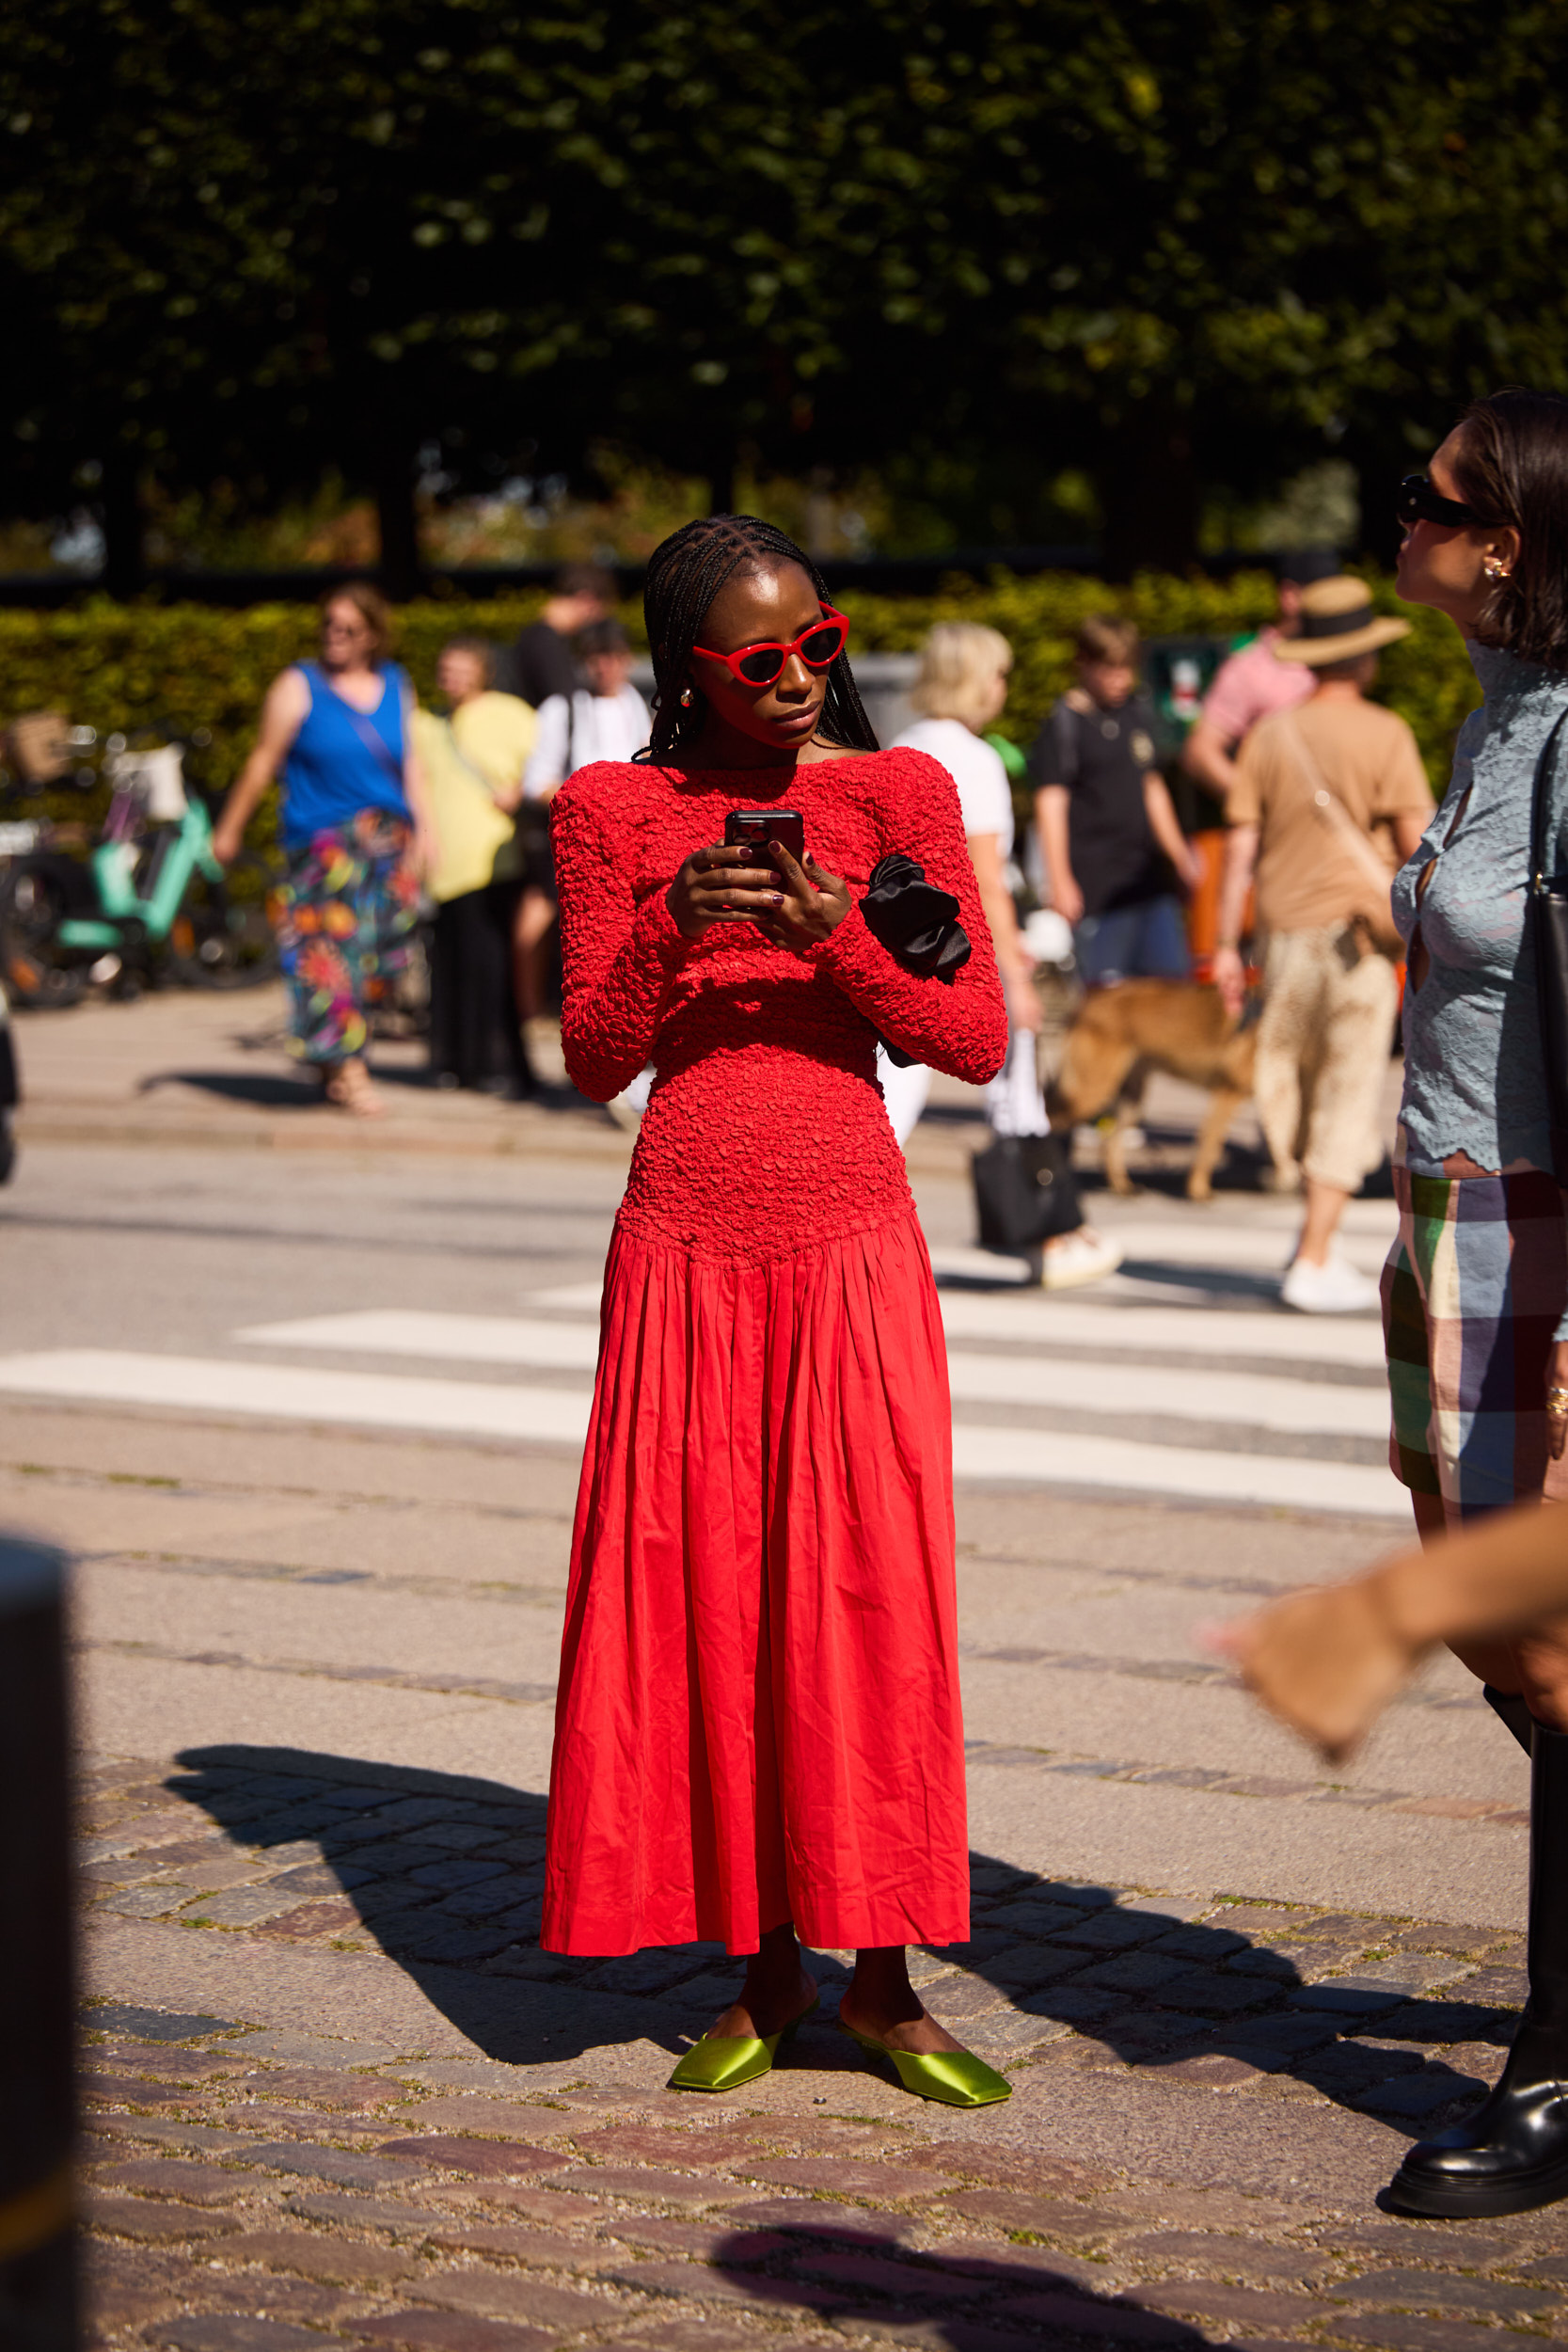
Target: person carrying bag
1312, 783
1025, 1193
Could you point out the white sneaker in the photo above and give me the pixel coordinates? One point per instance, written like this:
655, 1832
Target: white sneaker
1081, 1256
1331, 1289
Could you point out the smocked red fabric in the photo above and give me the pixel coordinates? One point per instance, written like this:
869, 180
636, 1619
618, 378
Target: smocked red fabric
758, 1715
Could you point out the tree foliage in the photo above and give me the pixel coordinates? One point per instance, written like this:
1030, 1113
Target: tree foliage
1166, 239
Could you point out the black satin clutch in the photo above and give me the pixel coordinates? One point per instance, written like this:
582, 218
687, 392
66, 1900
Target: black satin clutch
917, 923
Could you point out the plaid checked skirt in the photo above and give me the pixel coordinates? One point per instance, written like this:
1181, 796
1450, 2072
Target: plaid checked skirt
1472, 1293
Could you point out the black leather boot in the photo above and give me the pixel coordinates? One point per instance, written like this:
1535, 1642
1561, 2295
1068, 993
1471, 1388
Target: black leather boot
1512, 2154
1512, 1713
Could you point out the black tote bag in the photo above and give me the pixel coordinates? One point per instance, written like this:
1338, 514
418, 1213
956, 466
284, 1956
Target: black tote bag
1024, 1191
1548, 920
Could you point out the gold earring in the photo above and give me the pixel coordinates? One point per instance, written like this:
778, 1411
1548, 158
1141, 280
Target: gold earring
685, 698
1494, 569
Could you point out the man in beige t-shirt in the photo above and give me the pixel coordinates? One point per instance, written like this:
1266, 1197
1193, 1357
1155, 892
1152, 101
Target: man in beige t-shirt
1328, 799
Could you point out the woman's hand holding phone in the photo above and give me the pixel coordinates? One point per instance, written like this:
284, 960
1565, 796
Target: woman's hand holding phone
794, 904
811, 906
721, 885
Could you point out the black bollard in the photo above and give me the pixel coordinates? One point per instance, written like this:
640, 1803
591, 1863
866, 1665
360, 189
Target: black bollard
37, 2264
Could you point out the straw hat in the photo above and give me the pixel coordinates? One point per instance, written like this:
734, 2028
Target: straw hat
1337, 624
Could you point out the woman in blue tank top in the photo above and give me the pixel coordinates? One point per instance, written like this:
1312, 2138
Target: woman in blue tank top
355, 826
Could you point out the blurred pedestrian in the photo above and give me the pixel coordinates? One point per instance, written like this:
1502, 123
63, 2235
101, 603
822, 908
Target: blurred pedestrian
355, 827
1313, 786
473, 759
605, 719
1113, 853
961, 691
539, 661
1476, 1288
758, 1731
1252, 684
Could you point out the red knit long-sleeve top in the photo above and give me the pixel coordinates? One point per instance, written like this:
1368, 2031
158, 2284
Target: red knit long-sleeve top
766, 1131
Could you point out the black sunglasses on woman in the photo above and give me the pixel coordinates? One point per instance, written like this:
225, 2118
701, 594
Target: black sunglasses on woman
1415, 500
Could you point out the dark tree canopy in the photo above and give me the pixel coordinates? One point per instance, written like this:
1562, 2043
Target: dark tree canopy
1176, 242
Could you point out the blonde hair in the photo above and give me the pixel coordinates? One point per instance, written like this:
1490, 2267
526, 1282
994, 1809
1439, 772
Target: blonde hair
958, 662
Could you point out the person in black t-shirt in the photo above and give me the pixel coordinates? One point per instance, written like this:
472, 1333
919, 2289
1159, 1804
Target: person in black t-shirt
1112, 851
539, 663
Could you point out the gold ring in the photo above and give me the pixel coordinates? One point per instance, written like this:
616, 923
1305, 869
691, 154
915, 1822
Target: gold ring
1557, 1400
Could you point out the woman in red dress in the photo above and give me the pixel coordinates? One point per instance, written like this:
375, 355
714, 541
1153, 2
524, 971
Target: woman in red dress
758, 1734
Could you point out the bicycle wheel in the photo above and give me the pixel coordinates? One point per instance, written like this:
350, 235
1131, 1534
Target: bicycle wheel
223, 935
39, 974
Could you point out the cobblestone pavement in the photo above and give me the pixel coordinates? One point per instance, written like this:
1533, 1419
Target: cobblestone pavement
252, 2186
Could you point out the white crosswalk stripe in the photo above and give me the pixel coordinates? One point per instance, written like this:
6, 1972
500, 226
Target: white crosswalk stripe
471, 1408
1265, 1403
1101, 1392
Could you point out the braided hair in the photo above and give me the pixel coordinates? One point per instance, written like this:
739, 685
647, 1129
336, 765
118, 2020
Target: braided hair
684, 574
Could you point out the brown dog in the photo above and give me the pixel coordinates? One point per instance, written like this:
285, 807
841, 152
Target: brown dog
1120, 1034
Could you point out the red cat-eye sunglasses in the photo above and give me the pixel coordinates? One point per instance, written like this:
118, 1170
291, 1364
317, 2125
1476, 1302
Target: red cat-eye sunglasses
818, 647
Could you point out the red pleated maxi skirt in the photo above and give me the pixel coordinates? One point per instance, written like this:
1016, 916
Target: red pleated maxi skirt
759, 1715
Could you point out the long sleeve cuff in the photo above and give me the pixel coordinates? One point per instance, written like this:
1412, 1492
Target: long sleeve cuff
656, 929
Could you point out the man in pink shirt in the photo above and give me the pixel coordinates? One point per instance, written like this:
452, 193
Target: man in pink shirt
1254, 683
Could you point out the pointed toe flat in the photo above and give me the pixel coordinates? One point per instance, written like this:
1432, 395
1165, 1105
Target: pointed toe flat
957, 2078
724, 2061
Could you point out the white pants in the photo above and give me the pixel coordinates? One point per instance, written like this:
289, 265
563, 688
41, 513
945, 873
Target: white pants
904, 1092
1014, 1103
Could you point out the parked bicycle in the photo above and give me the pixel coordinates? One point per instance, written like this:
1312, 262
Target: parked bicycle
41, 754
150, 898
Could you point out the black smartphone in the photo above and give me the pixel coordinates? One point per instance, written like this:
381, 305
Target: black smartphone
752, 829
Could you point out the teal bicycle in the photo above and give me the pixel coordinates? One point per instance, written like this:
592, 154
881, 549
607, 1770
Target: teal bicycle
151, 896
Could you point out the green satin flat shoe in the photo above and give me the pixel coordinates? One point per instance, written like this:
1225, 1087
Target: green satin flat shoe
724, 2061
957, 2078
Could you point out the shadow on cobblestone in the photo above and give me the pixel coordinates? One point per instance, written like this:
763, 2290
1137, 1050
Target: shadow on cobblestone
444, 1874
977, 2294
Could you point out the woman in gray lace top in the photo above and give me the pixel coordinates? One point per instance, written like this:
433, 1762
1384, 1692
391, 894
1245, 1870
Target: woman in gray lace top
1476, 1288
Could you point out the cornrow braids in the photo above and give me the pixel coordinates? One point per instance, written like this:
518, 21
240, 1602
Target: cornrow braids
684, 574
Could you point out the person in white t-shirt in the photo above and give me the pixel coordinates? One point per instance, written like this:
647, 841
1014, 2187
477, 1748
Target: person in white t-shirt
606, 719
960, 691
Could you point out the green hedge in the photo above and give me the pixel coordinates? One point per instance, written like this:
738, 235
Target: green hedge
1427, 676
187, 666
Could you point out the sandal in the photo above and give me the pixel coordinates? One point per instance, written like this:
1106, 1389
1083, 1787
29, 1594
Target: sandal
348, 1087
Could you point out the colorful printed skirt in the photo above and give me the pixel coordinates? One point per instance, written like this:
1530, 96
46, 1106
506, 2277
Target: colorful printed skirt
348, 909
1473, 1291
